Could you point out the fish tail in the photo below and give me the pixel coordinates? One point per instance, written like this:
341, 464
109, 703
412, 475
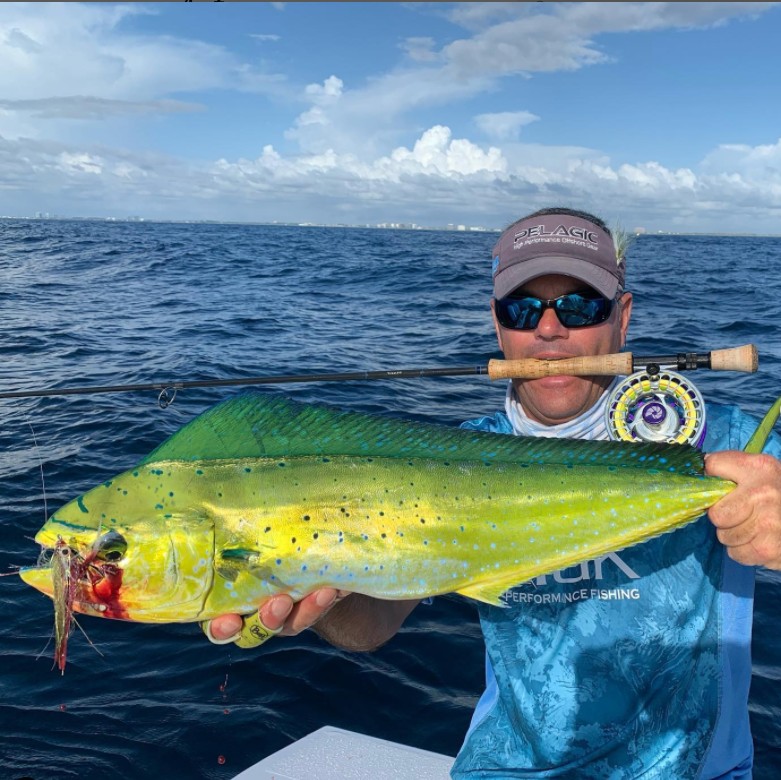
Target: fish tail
758, 441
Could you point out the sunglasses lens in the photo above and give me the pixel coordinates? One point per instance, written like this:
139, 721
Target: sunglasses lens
577, 311
519, 313
573, 310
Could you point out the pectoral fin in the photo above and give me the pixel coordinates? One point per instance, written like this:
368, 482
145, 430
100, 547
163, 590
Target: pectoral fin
233, 561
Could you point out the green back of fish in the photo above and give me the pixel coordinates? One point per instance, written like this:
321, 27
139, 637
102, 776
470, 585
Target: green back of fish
256, 425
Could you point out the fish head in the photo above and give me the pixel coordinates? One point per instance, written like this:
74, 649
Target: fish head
134, 550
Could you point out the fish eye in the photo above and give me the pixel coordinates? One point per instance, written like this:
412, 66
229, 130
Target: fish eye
110, 547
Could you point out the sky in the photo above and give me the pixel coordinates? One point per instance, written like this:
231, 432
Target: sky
661, 116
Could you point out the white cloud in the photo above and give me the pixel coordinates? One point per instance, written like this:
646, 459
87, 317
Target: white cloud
560, 36
83, 107
420, 49
435, 152
504, 125
653, 176
313, 122
325, 93
16, 39
80, 163
48, 48
367, 121
264, 37
477, 15
762, 162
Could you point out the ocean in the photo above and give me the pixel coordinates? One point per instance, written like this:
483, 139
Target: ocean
98, 303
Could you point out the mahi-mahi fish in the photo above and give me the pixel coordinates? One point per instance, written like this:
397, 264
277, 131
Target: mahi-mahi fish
262, 495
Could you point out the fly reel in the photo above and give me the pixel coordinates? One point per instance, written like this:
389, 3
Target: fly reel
656, 405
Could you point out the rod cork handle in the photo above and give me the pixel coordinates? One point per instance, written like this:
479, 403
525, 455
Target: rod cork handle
743, 358
617, 364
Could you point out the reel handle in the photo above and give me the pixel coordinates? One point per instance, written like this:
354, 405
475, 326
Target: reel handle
622, 364
743, 358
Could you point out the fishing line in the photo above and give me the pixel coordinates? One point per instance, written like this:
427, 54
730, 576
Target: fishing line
91, 643
40, 464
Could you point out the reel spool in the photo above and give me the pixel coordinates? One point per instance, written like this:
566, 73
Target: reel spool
656, 405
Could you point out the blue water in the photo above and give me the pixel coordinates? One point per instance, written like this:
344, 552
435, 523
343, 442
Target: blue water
104, 303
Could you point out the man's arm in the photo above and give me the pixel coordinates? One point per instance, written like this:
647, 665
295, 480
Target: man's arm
359, 622
350, 621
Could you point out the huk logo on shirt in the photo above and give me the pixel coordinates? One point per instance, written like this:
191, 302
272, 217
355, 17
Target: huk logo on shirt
585, 571
588, 571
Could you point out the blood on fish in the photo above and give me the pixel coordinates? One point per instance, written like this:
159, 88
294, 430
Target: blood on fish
106, 580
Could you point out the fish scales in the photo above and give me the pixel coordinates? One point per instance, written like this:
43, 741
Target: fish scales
406, 529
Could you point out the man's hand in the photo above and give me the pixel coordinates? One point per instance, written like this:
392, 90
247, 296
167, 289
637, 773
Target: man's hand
279, 615
748, 520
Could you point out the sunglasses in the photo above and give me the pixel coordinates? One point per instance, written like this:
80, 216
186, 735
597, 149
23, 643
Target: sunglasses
574, 310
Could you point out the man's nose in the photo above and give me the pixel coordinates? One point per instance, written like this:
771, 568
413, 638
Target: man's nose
549, 325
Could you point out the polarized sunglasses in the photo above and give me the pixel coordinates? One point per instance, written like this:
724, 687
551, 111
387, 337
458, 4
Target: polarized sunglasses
574, 310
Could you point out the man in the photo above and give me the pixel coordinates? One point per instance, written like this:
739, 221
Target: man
636, 664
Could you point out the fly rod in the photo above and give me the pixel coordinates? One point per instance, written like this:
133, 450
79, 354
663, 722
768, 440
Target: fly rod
735, 359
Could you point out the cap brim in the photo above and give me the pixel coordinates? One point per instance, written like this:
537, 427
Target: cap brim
513, 277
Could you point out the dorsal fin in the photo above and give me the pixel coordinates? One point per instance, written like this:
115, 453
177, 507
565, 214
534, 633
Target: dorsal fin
258, 425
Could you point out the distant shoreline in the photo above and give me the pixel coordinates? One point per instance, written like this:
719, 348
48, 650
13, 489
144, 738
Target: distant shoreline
450, 228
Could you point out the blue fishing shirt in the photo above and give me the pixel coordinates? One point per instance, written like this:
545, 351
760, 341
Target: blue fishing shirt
634, 665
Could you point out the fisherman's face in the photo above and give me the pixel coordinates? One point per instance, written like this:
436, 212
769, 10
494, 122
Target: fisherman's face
557, 399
